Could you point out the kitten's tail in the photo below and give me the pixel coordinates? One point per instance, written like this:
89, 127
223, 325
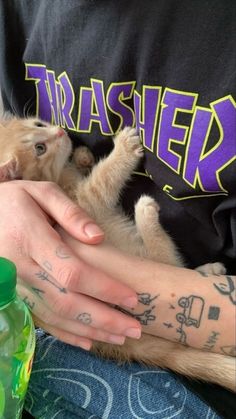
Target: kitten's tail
193, 363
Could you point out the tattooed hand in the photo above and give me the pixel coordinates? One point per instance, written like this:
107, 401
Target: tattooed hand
174, 303
54, 283
227, 287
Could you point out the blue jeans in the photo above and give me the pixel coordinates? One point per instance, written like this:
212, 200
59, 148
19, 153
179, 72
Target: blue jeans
68, 382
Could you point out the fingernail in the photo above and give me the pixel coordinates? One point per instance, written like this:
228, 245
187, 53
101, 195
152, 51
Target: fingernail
133, 333
92, 230
130, 302
85, 345
118, 340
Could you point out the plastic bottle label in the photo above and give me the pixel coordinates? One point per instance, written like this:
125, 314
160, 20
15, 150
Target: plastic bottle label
2, 400
22, 365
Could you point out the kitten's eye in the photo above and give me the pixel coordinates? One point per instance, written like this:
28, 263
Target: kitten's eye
39, 125
40, 149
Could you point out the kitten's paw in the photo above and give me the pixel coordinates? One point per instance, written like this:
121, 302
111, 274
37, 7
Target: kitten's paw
215, 268
128, 140
147, 208
83, 159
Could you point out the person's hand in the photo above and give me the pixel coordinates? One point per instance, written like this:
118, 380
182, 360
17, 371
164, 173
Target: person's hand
164, 292
66, 296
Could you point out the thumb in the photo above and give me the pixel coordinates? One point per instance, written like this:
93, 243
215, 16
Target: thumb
64, 211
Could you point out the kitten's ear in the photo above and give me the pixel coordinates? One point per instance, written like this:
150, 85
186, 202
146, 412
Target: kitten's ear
9, 170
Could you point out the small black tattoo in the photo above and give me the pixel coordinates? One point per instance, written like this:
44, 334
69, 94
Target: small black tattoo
211, 341
171, 306
213, 313
192, 310
62, 252
29, 303
191, 315
84, 318
228, 288
146, 299
168, 325
182, 335
38, 292
144, 318
229, 350
44, 276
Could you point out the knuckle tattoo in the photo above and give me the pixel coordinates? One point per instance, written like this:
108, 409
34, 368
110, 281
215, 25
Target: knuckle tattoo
84, 318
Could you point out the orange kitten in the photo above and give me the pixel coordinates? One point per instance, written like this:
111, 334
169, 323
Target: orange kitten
28, 150
33, 149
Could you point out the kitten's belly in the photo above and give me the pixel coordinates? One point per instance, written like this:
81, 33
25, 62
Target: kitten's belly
122, 234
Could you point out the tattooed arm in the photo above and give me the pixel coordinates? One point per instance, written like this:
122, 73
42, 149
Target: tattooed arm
174, 303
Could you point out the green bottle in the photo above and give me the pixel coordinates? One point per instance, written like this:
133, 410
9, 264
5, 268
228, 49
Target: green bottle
17, 344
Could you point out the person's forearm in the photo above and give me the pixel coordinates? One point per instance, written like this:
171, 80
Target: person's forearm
175, 303
188, 308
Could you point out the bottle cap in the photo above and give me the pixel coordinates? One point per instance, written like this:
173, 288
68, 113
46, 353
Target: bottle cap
7, 281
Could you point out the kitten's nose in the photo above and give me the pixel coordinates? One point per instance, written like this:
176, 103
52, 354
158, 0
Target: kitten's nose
60, 132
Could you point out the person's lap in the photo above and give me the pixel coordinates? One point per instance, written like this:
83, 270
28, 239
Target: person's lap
68, 382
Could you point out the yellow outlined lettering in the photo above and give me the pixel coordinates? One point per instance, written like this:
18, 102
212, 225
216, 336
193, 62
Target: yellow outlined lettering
94, 113
121, 98
183, 128
55, 117
188, 158
37, 81
143, 117
66, 114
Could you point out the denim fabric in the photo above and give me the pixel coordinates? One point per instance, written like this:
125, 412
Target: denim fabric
68, 383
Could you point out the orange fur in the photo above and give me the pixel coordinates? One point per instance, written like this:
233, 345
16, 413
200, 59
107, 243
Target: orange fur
98, 193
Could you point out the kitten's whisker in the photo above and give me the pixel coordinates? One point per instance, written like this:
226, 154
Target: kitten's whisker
25, 141
25, 111
13, 109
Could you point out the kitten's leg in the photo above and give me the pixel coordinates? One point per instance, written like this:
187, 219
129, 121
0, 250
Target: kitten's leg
111, 173
83, 159
215, 268
158, 352
157, 242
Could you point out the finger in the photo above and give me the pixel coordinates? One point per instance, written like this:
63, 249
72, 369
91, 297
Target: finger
78, 307
40, 310
81, 331
99, 315
57, 259
65, 336
64, 211
89, 311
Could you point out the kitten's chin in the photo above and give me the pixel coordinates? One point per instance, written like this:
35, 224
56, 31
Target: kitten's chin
62, 158
66, 146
